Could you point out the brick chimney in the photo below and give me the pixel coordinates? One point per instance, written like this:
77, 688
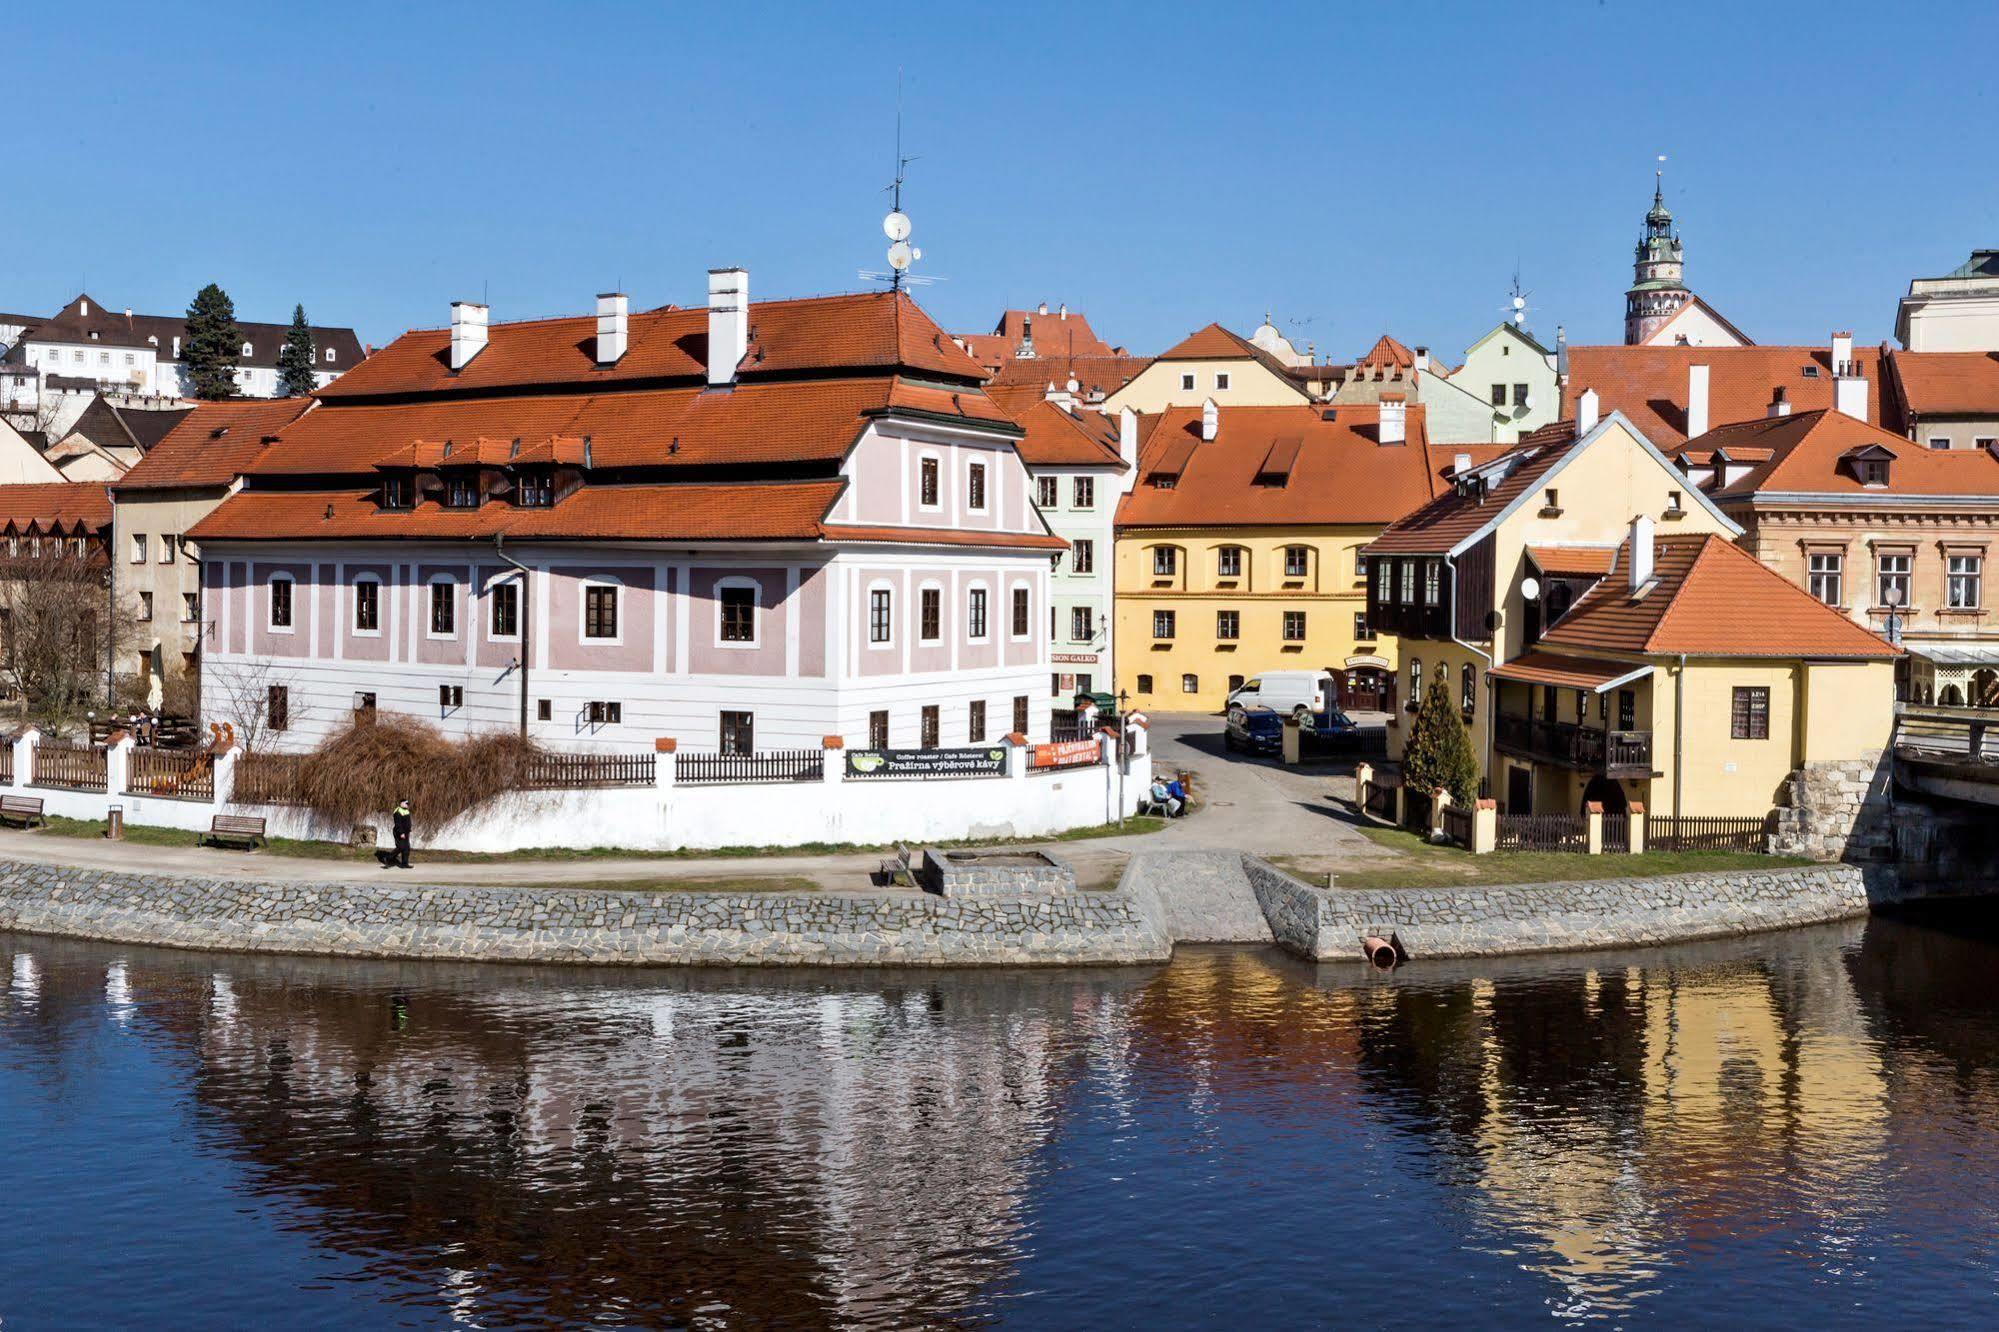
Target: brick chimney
468, 332
728, 322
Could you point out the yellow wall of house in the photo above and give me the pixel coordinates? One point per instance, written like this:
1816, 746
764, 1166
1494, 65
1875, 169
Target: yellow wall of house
1251, 384
1849, 709
1597, 495
1330, 594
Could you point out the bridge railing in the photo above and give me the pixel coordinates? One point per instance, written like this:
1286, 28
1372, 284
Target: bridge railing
1956, 733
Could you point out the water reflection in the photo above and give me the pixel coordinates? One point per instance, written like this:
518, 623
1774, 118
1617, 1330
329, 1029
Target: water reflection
1806, 1118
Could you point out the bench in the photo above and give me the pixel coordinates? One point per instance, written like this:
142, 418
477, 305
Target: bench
244, 829
896, 866
28, 809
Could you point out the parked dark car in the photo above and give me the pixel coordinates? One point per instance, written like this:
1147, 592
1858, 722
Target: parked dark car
1253, 730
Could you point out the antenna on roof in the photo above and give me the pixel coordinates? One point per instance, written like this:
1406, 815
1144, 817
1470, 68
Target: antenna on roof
1516, 306
901, 254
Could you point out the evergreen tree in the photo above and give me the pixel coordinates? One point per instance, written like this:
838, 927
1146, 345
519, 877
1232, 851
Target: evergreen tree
295, 360
1439, 754
213, 343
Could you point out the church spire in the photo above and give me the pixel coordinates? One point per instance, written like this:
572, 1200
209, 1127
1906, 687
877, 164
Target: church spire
1658, 289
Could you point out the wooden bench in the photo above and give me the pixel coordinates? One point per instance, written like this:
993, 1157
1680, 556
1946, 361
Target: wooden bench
896, 866
243, 829
28, 809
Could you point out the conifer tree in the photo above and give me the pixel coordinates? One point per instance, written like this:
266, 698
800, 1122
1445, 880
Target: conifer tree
213, 342
295, 360
1439, 754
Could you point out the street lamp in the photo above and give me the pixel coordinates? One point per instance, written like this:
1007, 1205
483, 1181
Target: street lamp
1891, 597
1123, 732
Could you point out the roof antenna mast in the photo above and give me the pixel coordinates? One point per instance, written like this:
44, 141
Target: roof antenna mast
901, 254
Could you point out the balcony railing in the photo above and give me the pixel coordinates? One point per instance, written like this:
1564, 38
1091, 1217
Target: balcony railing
1612, 753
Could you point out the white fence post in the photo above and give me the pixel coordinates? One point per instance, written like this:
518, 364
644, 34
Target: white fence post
118, 764
663, 749
225, 776
24, 757
1016, 755
835, 769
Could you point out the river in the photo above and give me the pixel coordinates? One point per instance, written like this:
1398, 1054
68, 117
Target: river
1798, 1129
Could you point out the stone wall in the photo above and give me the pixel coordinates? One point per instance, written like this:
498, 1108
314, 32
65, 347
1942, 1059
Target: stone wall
1837, 810
560, 925
1491, 920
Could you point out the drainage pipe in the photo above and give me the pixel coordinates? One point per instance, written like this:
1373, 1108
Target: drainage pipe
526, 617
1380, 952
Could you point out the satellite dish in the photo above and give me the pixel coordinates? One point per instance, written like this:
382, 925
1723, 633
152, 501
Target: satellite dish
896, 226
1520, 302
1530, 588
900, 255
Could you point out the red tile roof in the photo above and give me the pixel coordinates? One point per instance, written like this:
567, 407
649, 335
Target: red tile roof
1649, 384
939, 536
1387, 354
70, 507
1562, 671
1213, 343
1945, 383
213, 444
1058, 438
1710, 598
1436, 527
1093, 374
1056, 334
1585, 561
1803, 453
866, 331
1339, 473
740, 511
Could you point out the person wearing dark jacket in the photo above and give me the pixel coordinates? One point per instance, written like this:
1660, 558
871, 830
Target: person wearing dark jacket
401, 827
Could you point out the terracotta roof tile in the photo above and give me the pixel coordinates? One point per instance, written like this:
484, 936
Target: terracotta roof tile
48, 506
1212, 343
941, 536
1054, 437
1387, 354
1946, 383
213, 444
1803, 452
1340, 474
1093, 374
1710, 598
1055, 335
1649, 384
1585, 561
1437, 526
1561, 670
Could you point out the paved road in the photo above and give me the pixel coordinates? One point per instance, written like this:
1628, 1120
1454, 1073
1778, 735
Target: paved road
1243, 804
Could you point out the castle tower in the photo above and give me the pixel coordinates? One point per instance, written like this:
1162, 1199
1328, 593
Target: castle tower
1657, 291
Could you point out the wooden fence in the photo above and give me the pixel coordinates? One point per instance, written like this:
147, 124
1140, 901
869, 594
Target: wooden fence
1416, 810
1378, 800
1705, 832
576, 772
74, 767
1543, 832
268, 779
1616, 834
176, 774
7, 760
1457, 824
777, 765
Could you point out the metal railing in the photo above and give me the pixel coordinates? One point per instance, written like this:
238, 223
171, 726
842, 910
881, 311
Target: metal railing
1705, 832
76, 767
578, 772
777, 765
175, 774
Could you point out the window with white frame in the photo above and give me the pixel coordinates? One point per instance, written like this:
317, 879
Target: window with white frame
1165, 561
1408, 597
1187, 382
1432, 582
600, 610
138, 547
1296, 560
1939, 441
975, 614
1891, 583
1222, 380
1228, 562
738, 608
367, 605
1047, 492
881, 616
1162, 624
1228, 626
281, 601
1082, 624
443, 608
975, 486
1826, 577
927, 472
1083, 555
1083, 491
1962, 576
167, 543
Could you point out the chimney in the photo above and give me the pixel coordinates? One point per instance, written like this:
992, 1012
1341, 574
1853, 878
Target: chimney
468, 332
1422, 360
1211, 419
728, 322
1042, 308
1127, 437
1461, 464
1696, 400
1063, 312
1849, 386
1589, 408
613, 324
1394, 419
1639, 565
176, 355
1779, 405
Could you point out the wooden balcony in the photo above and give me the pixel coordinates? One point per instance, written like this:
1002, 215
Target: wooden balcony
1567, 745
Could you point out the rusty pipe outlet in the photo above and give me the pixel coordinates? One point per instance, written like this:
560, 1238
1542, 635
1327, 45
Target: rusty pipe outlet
1381, 953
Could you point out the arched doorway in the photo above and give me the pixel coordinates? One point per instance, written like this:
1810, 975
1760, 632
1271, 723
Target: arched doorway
1608, 793
1364, 689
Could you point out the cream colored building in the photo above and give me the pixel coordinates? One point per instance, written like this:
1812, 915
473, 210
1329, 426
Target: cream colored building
1212, 365
1958, 312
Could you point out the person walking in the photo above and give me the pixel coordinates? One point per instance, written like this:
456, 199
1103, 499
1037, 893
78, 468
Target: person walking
401, 828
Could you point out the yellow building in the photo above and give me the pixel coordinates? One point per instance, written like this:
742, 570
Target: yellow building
1238, 549
1594, 659
1214, 365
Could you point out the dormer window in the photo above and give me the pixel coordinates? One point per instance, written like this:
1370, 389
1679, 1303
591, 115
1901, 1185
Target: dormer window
537, 488
329, 356
461, 492
1811, 372
398, 491
248, 350
1873, 472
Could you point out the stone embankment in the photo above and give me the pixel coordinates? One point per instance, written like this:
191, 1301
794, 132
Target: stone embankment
1164, 898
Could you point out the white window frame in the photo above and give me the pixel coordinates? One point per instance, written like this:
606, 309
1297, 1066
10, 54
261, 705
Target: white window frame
1221, 381
1939, 441
882, 585
978, 586
1816, 578
1083, 493
1905, 576
430, 608
167, 544
138, 547
491, 594
943, 500
1304, 554
1971, 577
1171, 624
354, 607
985, 486
756, 639
1186, 381
617, 585
270, 623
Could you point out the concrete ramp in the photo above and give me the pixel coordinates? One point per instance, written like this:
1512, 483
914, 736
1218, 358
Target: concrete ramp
1204, 896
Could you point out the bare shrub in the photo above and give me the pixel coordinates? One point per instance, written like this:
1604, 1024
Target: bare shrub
57, 630
364, 768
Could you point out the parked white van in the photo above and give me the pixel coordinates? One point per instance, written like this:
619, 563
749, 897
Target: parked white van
1298, 692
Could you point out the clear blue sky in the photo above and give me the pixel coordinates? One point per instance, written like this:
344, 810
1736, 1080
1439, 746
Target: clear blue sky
1368, 167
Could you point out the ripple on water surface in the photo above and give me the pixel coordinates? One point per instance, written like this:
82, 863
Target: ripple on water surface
1796, 1128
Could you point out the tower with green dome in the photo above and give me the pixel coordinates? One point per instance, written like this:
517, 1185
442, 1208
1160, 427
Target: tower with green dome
1657, 291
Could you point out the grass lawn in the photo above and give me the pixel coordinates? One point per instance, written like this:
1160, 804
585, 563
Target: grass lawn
148, 835
1419, 864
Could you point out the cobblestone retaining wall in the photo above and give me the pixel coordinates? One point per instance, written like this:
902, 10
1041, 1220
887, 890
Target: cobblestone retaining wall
557, 925
1837, 809
1548, 917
